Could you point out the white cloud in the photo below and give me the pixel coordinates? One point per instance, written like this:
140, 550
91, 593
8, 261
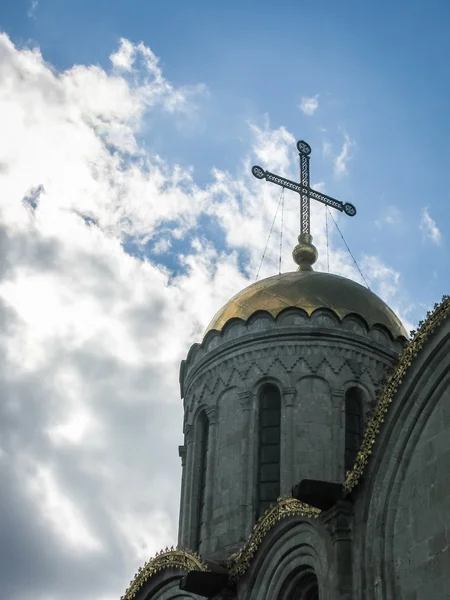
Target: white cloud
94, 336
125, 56
326, 148
391, 216
342, 159
33, 9
387, 278
386, 282
309, 105
429, 228
273, 147
91, 336
60, 511
162, 246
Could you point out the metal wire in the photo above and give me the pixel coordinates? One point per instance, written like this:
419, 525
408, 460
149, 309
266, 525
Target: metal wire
349, 251
281, 228
270, 233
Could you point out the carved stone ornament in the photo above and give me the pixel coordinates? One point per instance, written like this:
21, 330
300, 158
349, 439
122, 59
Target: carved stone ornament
170, 558
189, 433
338, 521
208, 382
211, 413
288, 395
245, 399
239, 562
434, 319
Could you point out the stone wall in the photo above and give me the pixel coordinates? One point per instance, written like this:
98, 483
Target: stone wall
312, 360
402, 525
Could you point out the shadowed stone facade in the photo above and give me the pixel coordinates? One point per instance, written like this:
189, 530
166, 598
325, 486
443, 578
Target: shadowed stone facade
312, 360
388, 537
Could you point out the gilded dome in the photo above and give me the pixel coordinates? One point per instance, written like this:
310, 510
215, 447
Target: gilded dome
309, 290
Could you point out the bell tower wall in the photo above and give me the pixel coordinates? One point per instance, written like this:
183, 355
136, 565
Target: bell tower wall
316, 363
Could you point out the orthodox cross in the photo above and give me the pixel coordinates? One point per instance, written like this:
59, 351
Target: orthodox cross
303, 189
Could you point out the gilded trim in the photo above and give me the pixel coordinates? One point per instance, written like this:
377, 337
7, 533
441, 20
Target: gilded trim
170, 558
434, 319
239, 562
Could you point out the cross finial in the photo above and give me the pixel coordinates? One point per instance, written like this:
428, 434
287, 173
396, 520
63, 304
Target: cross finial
305, 253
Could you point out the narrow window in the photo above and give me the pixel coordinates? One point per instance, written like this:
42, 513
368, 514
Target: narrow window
203, 425
269, 448
353, 425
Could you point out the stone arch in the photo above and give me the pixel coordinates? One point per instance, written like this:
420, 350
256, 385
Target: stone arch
229, 488
233, 329
253, 442
199, 409
367, 403
325, 317
289, 551
301, 584
313, 397
198, 465
266, 380
293, 317
381, 334
280, 379
356, 324
165, 585
310, 380
401, 506
365, 388
201, 470
260, 321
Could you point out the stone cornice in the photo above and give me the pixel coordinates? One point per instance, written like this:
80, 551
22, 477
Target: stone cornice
209, 378
263, 323
202, 357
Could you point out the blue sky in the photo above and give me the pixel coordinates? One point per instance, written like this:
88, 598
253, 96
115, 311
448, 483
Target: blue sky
380, 70
129, 215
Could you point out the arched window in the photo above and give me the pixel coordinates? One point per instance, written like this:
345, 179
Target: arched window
203, 425
353, 425
269, 448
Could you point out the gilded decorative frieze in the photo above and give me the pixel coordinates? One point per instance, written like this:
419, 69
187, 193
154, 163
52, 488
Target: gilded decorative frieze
239, 562
170, 558
409, 353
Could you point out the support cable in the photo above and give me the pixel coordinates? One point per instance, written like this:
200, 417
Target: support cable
349, 251
270, 233
326, 227
281, 228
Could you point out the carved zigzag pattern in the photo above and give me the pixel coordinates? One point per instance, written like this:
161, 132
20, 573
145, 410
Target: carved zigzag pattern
254, 364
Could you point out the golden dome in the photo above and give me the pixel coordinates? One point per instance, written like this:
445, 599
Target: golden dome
309, 290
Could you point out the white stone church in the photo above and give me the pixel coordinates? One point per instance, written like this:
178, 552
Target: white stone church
316, 461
